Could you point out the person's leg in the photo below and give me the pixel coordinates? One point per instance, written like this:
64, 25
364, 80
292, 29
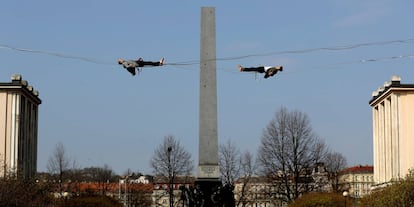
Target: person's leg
152, 63
142, 63
253, 69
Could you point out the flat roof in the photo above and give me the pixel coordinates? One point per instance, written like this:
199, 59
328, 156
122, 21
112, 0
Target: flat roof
17, 84
393, 85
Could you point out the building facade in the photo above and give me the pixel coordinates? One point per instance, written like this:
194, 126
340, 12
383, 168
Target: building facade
182, 187
357, 180
259, 191
256, 191
393, 130
18, 128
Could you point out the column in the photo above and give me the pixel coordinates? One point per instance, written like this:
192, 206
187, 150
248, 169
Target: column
395, 135
208, 173
388, 140
375, 142
382, 161
208, 139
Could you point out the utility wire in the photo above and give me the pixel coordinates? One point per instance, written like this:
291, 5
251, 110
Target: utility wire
334, 48
387, 58
196, 62
376, 59
54, 54
321, 67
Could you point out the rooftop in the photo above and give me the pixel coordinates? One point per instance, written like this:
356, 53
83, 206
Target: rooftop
395, 83
17, 83
359, 169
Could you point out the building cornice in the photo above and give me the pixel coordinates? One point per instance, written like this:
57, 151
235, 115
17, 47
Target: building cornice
21, 86
392, 86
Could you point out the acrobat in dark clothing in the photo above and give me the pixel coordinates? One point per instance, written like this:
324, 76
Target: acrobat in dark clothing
131, 65
268, 70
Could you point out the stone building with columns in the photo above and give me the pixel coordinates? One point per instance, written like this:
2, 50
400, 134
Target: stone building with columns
393, 130
18, 128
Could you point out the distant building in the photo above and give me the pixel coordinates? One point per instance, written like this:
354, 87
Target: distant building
357, 180
320, 176
160, 195
393, 130
260, 191
256, 191
18, 128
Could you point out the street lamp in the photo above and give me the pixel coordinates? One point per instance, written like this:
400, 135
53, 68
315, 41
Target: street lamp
170, 175
345, 194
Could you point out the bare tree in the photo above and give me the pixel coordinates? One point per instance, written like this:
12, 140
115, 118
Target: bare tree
58, 163
288, 148
236, 167
229, 161
247, 167
320, 151
75, 175
170, 160
101, 175
334, 163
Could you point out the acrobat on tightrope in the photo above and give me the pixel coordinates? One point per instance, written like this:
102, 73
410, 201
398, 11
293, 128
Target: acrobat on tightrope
269, 71
131, 65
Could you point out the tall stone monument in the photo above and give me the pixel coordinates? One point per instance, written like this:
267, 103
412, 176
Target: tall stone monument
208, 173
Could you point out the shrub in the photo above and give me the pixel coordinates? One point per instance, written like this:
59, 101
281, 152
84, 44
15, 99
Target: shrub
398, 194
90, 201
320, 200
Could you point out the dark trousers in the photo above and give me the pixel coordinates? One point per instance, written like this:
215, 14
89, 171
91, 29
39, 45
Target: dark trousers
142, 63
255, 69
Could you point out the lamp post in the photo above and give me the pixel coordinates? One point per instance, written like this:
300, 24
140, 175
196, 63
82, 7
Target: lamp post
170, 176
345, 194
126, 203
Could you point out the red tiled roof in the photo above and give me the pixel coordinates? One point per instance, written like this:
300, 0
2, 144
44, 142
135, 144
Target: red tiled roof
110, 187
359, 169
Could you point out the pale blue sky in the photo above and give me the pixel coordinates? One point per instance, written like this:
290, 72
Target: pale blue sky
103, 115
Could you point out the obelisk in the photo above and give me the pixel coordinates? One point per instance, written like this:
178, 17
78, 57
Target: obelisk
208, 173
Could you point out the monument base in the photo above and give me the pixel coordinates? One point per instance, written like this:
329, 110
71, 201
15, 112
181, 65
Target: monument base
208, 171
208, 189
